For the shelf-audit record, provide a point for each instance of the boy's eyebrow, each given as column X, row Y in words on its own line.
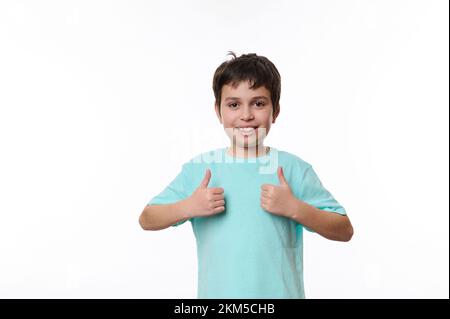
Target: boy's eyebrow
column 253, row 98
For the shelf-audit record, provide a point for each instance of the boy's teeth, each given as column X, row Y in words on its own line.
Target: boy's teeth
column 246, row 129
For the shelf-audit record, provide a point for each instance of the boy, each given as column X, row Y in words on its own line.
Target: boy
column 248, row 203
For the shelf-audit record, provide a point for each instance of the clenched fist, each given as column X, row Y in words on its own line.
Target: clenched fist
column 278, row 200
column 206, row 201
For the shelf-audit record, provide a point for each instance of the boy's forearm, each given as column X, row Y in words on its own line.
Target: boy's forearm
column 330, row 225
column 157, row 217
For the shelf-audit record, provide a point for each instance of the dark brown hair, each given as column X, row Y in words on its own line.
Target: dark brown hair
column 258, row 70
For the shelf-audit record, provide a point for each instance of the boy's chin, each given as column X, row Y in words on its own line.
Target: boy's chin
column 248, row 145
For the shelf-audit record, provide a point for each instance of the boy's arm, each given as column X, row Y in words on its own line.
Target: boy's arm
column 280, row 200
column 157, row 217
column 330, row 225
column 205, row 201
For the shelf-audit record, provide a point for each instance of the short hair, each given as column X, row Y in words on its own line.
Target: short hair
column 258, row 70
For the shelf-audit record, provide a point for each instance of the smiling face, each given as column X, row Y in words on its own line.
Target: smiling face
column 246, row 116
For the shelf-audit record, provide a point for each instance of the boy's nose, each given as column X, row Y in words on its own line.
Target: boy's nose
column 246, row 114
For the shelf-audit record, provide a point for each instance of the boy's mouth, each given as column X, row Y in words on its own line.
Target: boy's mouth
column 247, row 130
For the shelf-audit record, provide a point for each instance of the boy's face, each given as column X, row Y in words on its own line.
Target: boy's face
column 246, row 115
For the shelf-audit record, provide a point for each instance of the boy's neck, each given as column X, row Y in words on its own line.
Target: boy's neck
column 248, row 152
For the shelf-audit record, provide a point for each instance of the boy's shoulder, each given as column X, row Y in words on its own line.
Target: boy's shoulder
column 293, row 158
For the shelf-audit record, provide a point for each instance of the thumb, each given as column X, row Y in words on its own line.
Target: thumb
column 205, row 181
column 281, row 177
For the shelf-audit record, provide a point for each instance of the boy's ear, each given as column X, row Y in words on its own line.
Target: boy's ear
column 216, row 107
column 275, row 115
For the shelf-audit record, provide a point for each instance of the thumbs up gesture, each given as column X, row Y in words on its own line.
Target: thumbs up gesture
column 207, row 201
column 278, row 200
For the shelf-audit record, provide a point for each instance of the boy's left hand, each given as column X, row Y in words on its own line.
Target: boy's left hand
column 278, row 200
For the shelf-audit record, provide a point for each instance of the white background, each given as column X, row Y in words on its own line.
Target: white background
column 101, row 102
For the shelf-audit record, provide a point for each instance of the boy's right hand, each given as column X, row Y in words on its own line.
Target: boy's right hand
column 207, row 201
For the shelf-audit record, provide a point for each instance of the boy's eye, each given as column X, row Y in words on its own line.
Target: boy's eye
column 258, row 103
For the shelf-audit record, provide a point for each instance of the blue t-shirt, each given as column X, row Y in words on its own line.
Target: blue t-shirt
column 245, row 251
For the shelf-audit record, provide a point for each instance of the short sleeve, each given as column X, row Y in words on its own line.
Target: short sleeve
column 173, row 193
column 314, row 193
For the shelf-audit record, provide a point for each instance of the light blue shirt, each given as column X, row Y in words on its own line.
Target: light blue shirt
column 245, row 251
